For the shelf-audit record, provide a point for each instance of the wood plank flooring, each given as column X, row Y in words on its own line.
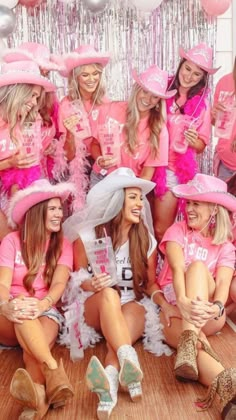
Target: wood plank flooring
column 164, row 397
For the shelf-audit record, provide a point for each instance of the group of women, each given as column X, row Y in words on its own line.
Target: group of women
column 116, row 154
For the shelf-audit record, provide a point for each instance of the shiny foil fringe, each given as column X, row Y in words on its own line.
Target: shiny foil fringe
column 135, row 39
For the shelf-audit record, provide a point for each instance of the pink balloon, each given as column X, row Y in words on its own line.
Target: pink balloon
column 215, row 7
column 30, row 3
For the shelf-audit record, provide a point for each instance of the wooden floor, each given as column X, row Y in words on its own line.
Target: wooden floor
column 164, row 397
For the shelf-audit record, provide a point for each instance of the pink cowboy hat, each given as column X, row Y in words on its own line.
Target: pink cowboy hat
column 207, row 188
column 201, row 55
column 33, row 51
column 83, row 55
column 24, row 72
column 37, row 192
column 155, row 81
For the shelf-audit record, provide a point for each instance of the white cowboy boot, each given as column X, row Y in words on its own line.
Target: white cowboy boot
column 105, row 383
column 131, row 374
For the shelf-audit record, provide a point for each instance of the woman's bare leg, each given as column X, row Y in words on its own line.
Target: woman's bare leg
column 164, row 212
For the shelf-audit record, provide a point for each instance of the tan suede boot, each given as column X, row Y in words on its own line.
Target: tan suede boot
column 29, row 394
column 58, row 387
column 186, row 360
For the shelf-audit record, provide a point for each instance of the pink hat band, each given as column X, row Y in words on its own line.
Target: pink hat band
column 201, row 55
column 26, row 72
column 154, row 80
column 208, row 189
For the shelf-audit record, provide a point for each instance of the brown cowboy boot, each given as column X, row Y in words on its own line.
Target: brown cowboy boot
column 29, row 394
column 58, row 387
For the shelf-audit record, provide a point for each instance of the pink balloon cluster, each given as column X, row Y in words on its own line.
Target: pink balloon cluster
column 215, row 7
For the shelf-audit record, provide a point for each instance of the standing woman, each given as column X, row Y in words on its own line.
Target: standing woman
column 48, row 104
column 224, row 164
column 21, row 87
column 35, row 264
column 143, row 136
column 79, row 110
column 196, row 277
column 125, row 313
column 189, row 129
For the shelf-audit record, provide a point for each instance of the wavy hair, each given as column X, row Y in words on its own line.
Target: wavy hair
column 12, row 101
column 73, row 85
column 222, row 231
column 139, row 242
column 45, row 107
column 33, row 240
column 198, row 89
column 155, row 122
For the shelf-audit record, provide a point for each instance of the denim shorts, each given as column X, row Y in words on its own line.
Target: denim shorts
column 55, row 315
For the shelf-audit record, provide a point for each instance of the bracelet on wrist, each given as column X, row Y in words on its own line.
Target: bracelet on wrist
column 154, row 293
column 49, row 299
column 221, row 308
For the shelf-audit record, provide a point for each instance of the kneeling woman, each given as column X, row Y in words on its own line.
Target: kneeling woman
column 34, row 268
column 196, row 276
column 118, row 314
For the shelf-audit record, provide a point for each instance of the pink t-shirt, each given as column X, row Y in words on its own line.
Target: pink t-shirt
column 116, row 113
column 89, row 116
column 203, row 127
column 226, row 84
column 10, row 256
column 195, row 248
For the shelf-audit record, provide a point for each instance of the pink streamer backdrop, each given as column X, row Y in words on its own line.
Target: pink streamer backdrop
column 135, row 39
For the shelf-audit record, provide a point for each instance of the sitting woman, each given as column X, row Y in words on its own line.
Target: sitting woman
column 34, row 269
column 124, row 313
column 196, row 276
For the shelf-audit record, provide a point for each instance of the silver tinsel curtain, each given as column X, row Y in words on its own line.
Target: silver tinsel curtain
column 134, row 38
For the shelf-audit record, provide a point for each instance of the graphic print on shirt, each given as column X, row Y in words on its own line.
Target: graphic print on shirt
column 194, row 252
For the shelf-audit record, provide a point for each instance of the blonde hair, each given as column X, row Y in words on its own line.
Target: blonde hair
column 223, row 228
column 73, row 85
column 12, row 100
column 33, row 239
column 155, row 122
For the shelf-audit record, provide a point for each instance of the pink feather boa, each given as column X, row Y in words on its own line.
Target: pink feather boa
column 185, row 164
column 21, row 177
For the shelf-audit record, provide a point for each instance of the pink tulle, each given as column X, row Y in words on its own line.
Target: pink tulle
column 20, row 177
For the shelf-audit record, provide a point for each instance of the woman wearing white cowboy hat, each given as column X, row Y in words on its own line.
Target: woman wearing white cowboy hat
column 79, row 110
column 35, row 262
column 140, row 137
column 189, row 129
column 196, row 276
column 119, row 315
column 48, row 105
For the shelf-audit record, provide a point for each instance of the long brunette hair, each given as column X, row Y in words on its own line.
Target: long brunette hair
column 33, row 241
column 138, row 248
